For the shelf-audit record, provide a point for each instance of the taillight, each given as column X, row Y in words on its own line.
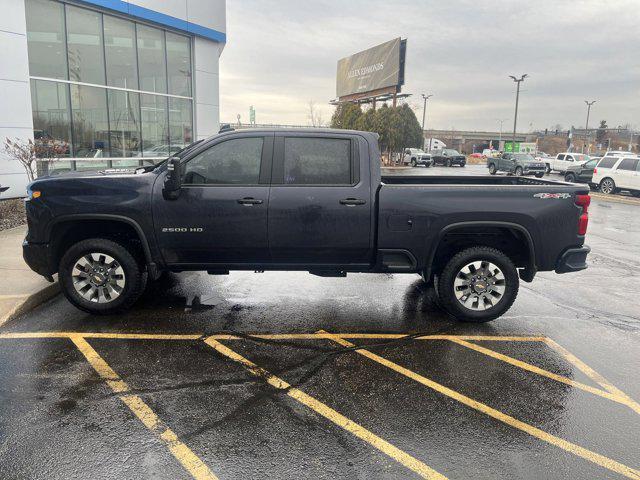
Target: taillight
column 583, row 201
column 595, row 170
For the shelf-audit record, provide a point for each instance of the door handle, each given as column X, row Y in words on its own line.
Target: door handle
column 351, row 202
column 248, row 201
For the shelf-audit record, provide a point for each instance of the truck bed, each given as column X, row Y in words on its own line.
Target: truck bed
column 466, row 180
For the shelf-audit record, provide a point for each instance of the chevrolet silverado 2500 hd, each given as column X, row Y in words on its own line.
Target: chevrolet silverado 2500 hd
column 310, row 200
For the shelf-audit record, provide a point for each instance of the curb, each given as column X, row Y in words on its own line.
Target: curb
column 615, row 198
column 30, row 301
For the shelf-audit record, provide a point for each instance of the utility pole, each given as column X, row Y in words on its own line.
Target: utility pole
column 586, row 125
column 515, row 117
column 424, row 111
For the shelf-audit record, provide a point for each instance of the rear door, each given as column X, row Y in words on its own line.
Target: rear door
column 320, row 205
column 625, row 176
column 220, row 216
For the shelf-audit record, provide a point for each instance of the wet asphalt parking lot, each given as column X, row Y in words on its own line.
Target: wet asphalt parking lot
column 287, row 375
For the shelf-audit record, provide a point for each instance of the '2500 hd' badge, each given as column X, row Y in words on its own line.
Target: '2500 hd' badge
column 552, row 195
column 182, row 229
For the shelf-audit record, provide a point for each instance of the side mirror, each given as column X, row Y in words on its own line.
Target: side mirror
column 173, row 180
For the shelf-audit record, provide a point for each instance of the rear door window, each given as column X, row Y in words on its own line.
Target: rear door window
column 560, row 157
column 628, row 164
column 607, row 162
column 317, row 161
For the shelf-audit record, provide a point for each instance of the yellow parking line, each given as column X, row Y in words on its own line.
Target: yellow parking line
column 595, row 376
column 140, row 409
column 542, row 372
column 330, row 414
column 502, row 417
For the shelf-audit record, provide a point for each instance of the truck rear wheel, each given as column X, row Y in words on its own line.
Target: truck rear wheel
column 478, row 284
column 492, row 169
column 100, row 276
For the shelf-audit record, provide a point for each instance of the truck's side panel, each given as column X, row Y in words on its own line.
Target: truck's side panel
column 550, row 222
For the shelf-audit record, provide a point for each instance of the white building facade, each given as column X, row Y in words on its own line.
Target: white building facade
column 106, row 83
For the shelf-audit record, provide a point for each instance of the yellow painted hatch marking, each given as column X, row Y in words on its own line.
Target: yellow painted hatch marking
column 140, row 409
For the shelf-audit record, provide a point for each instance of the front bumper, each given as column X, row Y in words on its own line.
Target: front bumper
column 37, row 256
column 573, row 260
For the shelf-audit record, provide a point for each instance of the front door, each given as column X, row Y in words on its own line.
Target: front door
column 320, row 207
column 220, row 216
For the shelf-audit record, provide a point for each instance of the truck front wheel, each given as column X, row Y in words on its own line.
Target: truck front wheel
column 100, row 276
column 478, row 284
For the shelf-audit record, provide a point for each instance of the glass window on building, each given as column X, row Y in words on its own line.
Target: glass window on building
column 155, row 131
column 45, row 39
column 120, row 52
column 51, row 126
column 124, row 123
column 84, row 43
column 180, row 123
column 151, row 58
column 179, row 64
column 90, row 122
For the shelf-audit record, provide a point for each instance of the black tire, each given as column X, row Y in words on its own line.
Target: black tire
column 607, row 186
column 635, row 193
column 539, row 175
column 134, row 279
column 413, row 162
column 492, row 169
column 447, row 163
column 518, row 171
column 446, row 279
column 570, row 177
column 462, row 164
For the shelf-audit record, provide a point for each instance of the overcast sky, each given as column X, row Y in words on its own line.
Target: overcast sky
column 282, row 54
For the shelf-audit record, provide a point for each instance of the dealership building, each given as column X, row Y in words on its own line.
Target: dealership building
column 107, row 83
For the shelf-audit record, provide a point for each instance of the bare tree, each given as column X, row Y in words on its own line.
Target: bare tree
column 315, row 115
column 29, row 153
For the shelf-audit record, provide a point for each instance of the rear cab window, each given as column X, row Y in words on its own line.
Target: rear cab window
column 318, row 161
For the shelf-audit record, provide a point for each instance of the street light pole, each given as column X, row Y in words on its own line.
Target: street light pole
column 586, row 125
column 515, row 117
column 424, row 111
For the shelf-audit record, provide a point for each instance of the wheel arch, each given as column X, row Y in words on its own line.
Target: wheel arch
column 472, row 230
column 75, row 227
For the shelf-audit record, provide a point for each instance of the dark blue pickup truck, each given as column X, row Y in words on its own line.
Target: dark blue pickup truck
column 311, row 200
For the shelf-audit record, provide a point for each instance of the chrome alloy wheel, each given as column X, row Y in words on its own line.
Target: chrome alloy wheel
column 98, row 277
column 479, row 285
column 607, row 186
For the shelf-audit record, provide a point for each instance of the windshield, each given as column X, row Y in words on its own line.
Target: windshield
column 524, row 157
column 450, row 151
column 180, row 153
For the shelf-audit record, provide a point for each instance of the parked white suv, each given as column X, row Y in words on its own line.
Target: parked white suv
column 416, row 156
column 618, row 173
column 565, row 160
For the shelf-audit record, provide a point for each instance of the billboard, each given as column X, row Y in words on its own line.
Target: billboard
column 372, row 69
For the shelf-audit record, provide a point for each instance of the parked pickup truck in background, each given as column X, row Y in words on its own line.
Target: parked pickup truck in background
column 563, row 161
column 310, row 200
column 415, row 157
column 448, row 157
column 516, row 163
